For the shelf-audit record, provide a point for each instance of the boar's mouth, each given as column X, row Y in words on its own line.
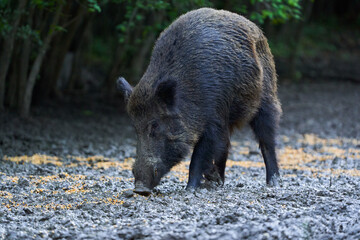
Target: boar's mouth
column 141, row 189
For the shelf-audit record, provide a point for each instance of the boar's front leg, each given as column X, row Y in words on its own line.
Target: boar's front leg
column 221, row 156
column 216, row 172
column 209, row 147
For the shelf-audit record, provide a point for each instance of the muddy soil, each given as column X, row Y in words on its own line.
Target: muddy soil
column 66, row 174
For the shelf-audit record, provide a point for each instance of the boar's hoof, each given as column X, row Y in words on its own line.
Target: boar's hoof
column 274, row 181
column 215, row 177
column 190, row 189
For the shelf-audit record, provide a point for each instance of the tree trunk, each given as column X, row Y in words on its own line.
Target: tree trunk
column 63, row 48
column 56, row 55
column 5, row 57
column 76, row 64
column 120, row 52
column 25, row 106
column 24, row 63
column 13, row 79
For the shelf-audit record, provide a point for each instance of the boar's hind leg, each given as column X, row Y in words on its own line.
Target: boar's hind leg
column 202, row 157
column 264, row 125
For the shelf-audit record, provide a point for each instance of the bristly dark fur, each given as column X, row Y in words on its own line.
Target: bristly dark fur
column 211, row 71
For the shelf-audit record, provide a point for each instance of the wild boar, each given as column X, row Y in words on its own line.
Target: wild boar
column 211, row 71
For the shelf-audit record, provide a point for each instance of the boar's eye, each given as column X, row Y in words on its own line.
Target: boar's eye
column 153, row 129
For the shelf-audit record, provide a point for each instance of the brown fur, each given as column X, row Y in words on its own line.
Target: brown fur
column 224, row 77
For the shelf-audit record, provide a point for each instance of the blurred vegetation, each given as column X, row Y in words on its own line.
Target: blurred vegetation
column 52, row 48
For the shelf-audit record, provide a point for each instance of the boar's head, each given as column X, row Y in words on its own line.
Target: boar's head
column 162, row 139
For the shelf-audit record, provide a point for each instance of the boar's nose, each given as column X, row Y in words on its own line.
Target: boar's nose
column 141, row 189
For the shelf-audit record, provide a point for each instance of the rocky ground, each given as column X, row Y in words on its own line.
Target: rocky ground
column 66, row 174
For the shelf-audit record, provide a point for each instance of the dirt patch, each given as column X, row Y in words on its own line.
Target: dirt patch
column 66, row 174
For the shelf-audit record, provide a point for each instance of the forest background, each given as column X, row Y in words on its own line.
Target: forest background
column 57, row 49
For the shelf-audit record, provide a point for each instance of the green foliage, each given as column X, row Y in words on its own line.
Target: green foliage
column 140, row 13
column 93, row 6
column 26, row 32
column 277, row 11
column 4, row 3
column 5, row 26
column 59, row 29
column 8, row 12
column 135, row 14
column 43, row 4
column 279, row 47
column 99, row 52
column 318, row 39
column 141, row 21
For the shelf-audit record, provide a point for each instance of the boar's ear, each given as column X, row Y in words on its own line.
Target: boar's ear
column 166, row 92
column 124, row 87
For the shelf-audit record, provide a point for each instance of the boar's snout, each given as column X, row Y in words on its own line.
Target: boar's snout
column 141, row 189
column 147, row 172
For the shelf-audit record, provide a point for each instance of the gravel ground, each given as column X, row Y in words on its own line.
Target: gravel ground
column 66, row 174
